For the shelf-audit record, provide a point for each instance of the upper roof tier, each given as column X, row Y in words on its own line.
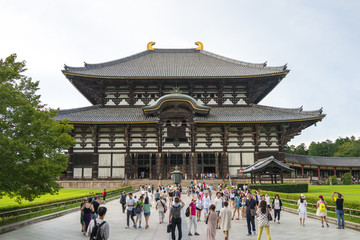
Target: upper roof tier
column 175, row 63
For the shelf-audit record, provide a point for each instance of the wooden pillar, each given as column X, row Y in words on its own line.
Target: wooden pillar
column 275, row 179
column 351, row 172
column 319, row 177
column 335, row 171
column 95, row 162
column 272, row 180
column 159, row 166
column 302, row 170
column 259, row 178
column 225, row 164
column 192, row 164
column 282, row 177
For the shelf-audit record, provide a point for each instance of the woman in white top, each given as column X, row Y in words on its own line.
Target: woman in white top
column 302, row 209
column 199, row 207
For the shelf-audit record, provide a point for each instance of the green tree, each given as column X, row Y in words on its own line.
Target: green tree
column 349, row 149
column 346, row 178
column 326, row 148
column 31, row 141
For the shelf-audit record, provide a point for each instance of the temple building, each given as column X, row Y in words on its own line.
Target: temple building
column 188, row 107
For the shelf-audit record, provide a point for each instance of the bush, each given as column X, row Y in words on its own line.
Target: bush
column 285, row 187
column 346, row 179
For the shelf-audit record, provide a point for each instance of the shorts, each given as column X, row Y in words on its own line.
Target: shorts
column 218, row 213
column 139, row 216
column 243, row 206
column 237, row 206
column 232, row 199
column 146, row 214
column 199, row 209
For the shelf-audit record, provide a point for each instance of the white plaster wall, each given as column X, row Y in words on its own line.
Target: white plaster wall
column 118, row 172
column 118, row 159
column 103, row 172
column 234, row 159
column 247, row 158
column 104, row 160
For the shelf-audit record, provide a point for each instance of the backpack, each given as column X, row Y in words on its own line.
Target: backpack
column 176, row 212
column 157, row 195
column 187, row 212
column 138, row 209
column 96, row 231
column 322, row 207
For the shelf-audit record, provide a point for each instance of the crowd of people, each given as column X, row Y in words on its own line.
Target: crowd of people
column 229, row 203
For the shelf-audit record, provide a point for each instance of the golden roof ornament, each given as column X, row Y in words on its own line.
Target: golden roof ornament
column 200, row 45
column 149, row 46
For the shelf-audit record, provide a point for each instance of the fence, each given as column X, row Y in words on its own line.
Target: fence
column 26, row 213
column 352, row 213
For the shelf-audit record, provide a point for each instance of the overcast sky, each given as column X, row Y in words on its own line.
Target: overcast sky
column 320, row 41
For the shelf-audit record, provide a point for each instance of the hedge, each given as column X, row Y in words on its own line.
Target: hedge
column 20, row 206
column 314, row 200
column 284, row 188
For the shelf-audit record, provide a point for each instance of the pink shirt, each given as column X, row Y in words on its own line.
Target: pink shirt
column 193, row 209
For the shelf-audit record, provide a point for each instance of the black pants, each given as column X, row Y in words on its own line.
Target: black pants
column 250, row 221
column 277, row 213
column 176, row 222
column 123, row 207
column 129, row 215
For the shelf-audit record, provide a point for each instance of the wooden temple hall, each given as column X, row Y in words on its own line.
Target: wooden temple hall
column 188, row 107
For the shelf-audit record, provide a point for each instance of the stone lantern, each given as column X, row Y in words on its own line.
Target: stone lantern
column 176, row 176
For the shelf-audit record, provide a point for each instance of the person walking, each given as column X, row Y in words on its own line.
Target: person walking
column 218, row 205
column 123, row 201
column 339, row 200
column 103, row 225
column 147, row 210
column 139, row 209
column 82, row 221
column 88, row 209
column 104, row 195
column 302, row 209
column 243, row 206
column 211, row 217
column 199, row 207
column 206, row 204
column 192, row 217
column 175, row 218
column 225, row 220
column 263, row 217
column 277, row 206
column 130, row 211
column 161, row 207
column 321, row 210
column 236, row 207
column 250, row 210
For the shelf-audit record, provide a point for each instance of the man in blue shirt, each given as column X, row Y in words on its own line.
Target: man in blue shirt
column 250, row 213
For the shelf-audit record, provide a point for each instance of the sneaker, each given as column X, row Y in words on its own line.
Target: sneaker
column 127, row 227
column 140, row 227
column 237, row 219
column 134, row 226
column 249, row 234
column 254, row 232
column 196, row 234
column 189, row 234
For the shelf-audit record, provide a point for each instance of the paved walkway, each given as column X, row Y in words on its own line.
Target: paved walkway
column 68, row 227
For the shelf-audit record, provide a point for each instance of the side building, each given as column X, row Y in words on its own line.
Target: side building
column 188, row 107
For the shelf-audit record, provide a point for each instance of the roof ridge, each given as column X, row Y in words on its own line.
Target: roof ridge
column 71, row 110
column 295, row 110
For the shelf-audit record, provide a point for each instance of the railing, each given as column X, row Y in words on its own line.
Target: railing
column 352, row 213
column 26, row 213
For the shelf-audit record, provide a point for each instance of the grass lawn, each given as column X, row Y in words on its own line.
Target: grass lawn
column 350, row 192
column 63, row 194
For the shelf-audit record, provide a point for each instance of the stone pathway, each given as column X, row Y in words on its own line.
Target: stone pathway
column 68, row 227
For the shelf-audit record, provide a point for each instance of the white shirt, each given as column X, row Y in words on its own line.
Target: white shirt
column 199, row 203
column 218, row 204
column 302, row 206
column 206, row 201
column 131, row 201
column 267, row 199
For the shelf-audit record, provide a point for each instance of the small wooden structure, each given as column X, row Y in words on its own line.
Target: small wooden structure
column 268, row 166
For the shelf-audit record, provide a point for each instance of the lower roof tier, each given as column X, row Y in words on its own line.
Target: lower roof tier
column 243, row 114
column 320, row 161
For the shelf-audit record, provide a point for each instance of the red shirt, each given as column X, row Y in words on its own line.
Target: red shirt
column 193, row 209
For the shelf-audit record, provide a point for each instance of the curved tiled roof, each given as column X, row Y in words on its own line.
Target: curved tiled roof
column 262, row 164
column 186, row 63
column 323, row 161
column 254, row 113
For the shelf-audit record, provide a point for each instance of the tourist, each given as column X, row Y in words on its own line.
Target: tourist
column 96, row 204
column 103, row 225
column 262, row 198
column 339, row 209
column 104, row 196
column 250, row 209
column 277, row 206
column 157, row 196
column 199, row 207
column 192, row 217
column 211, row 217
column 206, row 203
column 321, row 210
column 302, row 209
column 171, row 196
column 236, row 207
column 88, row 209
column 161, row 207
column 139, row 209
column 188, row 191
column 243, row 205
column 267, row 199
column 82, row 221
column 130, row 210
column 123, row 201
column 175, row 218
column 225, row 220
column 218, row 205
column 147, row 210
column 263, row 217
column 232, row 198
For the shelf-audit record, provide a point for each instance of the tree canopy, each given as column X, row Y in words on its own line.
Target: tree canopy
column 32, row 143
column 342, row 147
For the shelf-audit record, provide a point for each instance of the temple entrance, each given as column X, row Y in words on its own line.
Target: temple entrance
column 143, row 172
column 209, row 169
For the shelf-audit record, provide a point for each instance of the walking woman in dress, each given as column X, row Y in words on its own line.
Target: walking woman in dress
column 147, row 210
column 277, row 206
column 211, row 217
column 321, row 210
column 302, row 209
column 262, row 214
column 88, row 209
